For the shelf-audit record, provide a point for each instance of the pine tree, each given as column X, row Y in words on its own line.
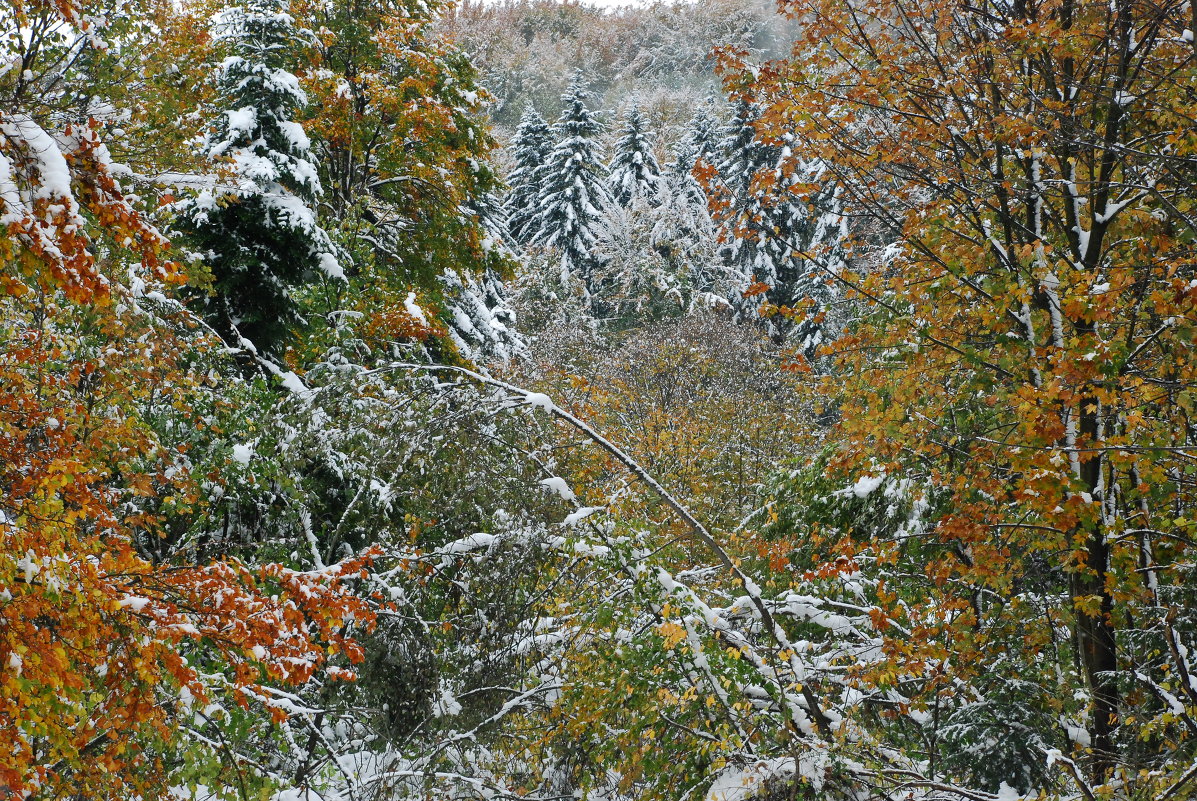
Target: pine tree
column 532, row 145
column 685, row 232
column 573, row 194
column 481, row 323
column 256, row 230
column 634, row 169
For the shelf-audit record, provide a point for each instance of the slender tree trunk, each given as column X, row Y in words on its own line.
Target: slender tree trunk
column 1096, row 642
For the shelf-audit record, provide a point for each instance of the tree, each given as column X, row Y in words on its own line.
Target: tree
column 573, row 193
column 256, row 229
column 700, row 144
column 1025, row 356
column 531, row 147
column 770, row 237
column 402, row 150
column 634, row 172
column 659, row 259
column 105, row 647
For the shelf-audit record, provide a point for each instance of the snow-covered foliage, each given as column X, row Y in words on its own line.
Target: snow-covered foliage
column 256, row 227
column 573, row 191
column 483, row 323
column 527, row 50
column 598, row 490
column 784, row 244
column 634, row 174
column 659, row 259
column 700, row 144
column 531, row 147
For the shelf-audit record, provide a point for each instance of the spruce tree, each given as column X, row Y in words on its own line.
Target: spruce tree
column 634, row 169
column 701, row 143
column 573, row 194
column 768, row 241
column 256, row 229
column 532, row 145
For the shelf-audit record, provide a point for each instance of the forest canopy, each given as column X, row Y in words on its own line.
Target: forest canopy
column 517, row 400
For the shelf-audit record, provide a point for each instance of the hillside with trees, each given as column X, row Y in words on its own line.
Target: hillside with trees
column 693, row 402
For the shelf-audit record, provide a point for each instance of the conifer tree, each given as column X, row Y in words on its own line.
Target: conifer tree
column 573, row 194
column 770, row 236
column 256, row 229
column 634, row 169
column 701, row 143
column 532, row 145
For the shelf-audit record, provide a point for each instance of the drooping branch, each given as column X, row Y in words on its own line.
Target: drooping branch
column 700, row 532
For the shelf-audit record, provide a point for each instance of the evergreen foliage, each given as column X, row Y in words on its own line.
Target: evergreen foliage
column 256, row 229
column 770, row 237
column 573, row 193
column 700, row 144
column 663, row 557
column 634, row 172
column 531, row 147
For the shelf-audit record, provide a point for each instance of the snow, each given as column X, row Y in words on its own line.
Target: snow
column 558, row 487
column 54, row 175
column 241, row 121
column 242, row 453
column 413, row 309
column 304, row 794
column 29, row 565
column 471, row 543
column 739, row 783
column 606, row 5
column 331, row 267
column 1078, row 735
column 446, row 705
column 539, row 400
column 296, row 137
column 134, row 603
column 574, row 518
column 864, row 486
column 1007, row 793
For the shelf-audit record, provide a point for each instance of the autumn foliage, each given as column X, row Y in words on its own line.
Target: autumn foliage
column 103, row 645
column 1021, row 180
column 931, row 540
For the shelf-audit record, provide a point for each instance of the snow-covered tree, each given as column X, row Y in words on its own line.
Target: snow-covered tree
column 573, row 194
column 660, row 260
column 634, row 169
column 477, row 304
column 531, row 147
column 701, row 143
column 255, row 228
column 770, row 237
column 640, row 277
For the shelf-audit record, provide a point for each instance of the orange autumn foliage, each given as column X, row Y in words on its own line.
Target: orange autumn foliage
column 100, row 644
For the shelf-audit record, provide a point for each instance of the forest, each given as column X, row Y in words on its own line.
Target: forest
column 515, row 400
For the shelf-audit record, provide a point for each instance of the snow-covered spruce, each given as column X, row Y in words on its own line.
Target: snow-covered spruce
column 634, row 169
column 573, row 194
column 532, row 145
column 700, row 144
column 789, row 245
column 256, row 229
